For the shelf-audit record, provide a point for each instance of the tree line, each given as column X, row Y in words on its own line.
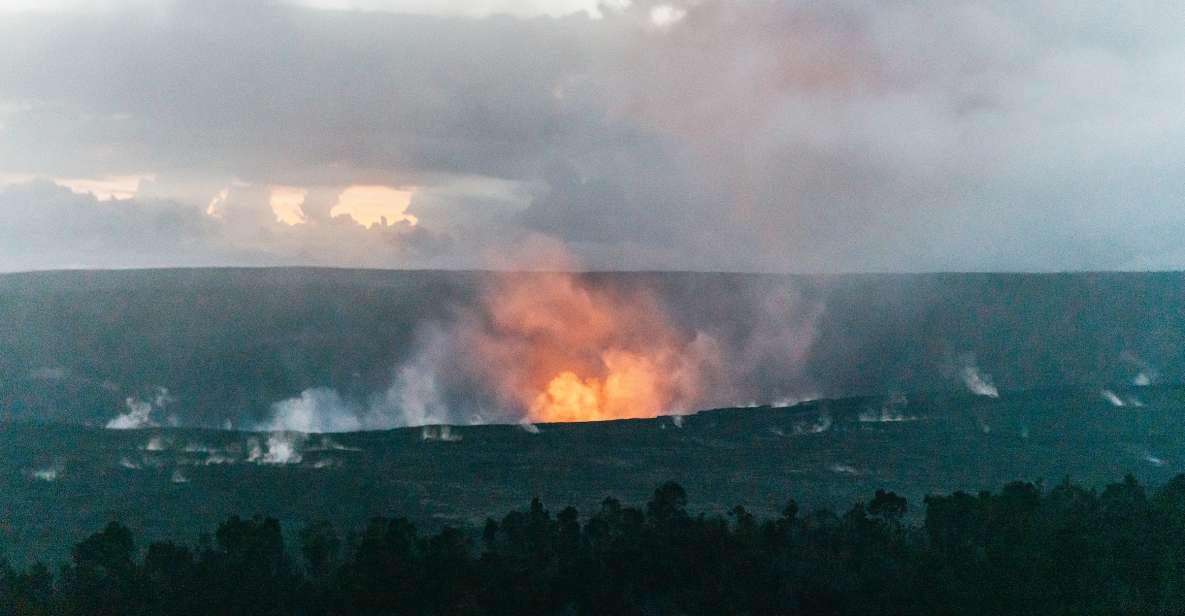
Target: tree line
column 1021, row 550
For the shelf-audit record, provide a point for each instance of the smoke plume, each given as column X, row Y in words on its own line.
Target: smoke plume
column 559, row 347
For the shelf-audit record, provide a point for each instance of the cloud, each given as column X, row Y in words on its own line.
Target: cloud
column 787, row 136
column 587, row 210
column 44, row 226
column 470, row 8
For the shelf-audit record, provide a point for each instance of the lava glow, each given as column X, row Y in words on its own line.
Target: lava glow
column 633, row 387
column 563, row 350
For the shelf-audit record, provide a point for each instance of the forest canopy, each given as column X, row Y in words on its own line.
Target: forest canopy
column 1023, row 549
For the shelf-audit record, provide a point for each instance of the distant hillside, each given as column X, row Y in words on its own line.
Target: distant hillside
column 229, row 343
column 59, row 483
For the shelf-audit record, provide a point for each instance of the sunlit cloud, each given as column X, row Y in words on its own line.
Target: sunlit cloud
column 217, row 206
column 106, row 188
column 286, row 201
column 374, row 205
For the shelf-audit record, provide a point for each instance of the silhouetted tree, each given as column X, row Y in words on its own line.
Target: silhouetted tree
column 321, row 546
column 103, row 578
column 171, row 575
column 1022, row 550
column 249, row 571
column 25, row 593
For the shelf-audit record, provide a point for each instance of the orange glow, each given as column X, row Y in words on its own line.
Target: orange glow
column 569, row 399
column 632, row 387
column 565, row 351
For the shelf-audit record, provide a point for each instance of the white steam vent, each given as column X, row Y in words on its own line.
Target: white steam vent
column 45, row 474
column 283, row 448
column 844, row 469
column 443, row 433
column 978, row 383
column 156, row 443
column 1110, row 396
column 893, row 410
column 821, row 423
column 140, row 412
column 1153, row 460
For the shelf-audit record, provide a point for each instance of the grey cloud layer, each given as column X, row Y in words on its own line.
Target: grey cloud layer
column 46, row 226
column 788, row 136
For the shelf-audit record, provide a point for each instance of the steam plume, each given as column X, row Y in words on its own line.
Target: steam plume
column 979, row 384
column 140, row 412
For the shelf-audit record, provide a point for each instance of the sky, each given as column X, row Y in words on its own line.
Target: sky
column 839, row 136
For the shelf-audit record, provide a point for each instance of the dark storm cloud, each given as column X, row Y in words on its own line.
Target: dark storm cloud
column 790, row 136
